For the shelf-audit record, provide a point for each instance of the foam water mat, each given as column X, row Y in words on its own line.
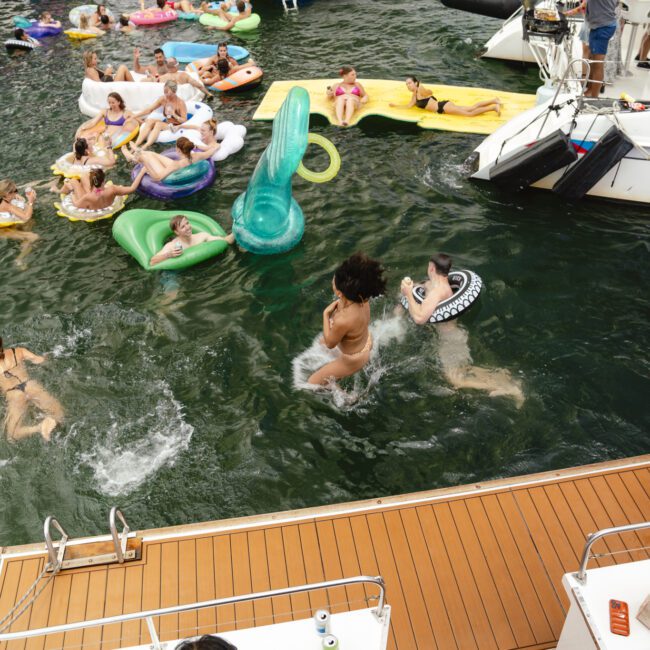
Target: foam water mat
column 383, row 92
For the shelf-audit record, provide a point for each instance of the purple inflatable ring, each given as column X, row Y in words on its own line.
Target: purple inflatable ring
column 163, row 192
column 39, row 31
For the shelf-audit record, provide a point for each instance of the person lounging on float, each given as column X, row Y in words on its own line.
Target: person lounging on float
column 83, row 155
column 159, row 67
column 346, row 320
column 47, row 20
column 348, row 95
column 159, row 166
column 96, row 17
column 85, row 26
column 124, row 25
column 94, row 73
column 174, row 114
column 21, row 35
column 21, row 209
column 453, row 349
column 91, row 193
column 19, row 391
column 208, row 131
column 184, row 239
column 116, row 119
column 211, row 71
column 230, row 19
column 423, row 98
column 180, row 77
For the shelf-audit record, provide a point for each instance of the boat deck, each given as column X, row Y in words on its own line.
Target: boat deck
column 476, row 566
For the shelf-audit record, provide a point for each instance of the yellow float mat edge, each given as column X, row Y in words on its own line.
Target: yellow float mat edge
column 384, row 91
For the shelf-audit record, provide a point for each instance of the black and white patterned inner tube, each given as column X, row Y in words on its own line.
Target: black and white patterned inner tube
column 466, row 286
column 16, row 44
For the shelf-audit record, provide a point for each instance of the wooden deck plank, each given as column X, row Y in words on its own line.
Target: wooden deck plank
column 357, row 594
column 479, row 563
column 241, row 575
column 113, row 607
column 205, row 588
column 92, row 637
column 169, row 589
column 338, row 597
column 401, row 552
column 29, row 571
column 483, row 632
column 10, row 593
column 150, row 586
column 517, row 567
column 311, row 553
column 278, row 578
column 537, row 571
column 224, row 582
column 77, row 608
column 132, row 603
column 643, row 475
column 58, row 609
column 640, row 498
column 263, row 609
column 404, row 634
column 296, row 574
column 187, row 592
column 369, row 565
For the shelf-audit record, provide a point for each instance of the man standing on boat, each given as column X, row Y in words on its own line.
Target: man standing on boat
column 601, row 18
column 453, row 346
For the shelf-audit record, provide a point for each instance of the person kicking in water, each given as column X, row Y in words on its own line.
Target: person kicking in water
column 346, row 320
column 453, row 350
column 19, row 390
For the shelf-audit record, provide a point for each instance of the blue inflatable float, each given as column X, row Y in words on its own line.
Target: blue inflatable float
column 185, row 52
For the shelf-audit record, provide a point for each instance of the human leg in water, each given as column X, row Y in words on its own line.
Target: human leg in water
column 17, row 403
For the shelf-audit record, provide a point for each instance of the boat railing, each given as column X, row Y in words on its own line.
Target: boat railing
column 149, row 615
column 56, row 557
column 581, row 575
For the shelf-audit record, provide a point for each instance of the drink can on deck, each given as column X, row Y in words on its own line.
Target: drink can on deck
column 331, row 642
column 322, row 620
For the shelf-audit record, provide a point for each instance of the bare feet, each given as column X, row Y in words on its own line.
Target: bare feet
column 47, row 426
column 498, row 109
column 128, row 154
column 55, row 186
column 230, row 238
column 344, row 123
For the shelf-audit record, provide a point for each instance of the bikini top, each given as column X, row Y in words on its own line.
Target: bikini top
column 355, row 91
column 119, row 122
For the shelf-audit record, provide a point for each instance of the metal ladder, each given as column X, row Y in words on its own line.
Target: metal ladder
column 118, row 553
column 286, row 4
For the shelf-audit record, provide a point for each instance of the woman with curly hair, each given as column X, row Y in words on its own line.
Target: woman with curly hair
column 346, row 320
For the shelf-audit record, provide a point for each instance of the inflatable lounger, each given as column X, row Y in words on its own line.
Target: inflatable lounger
column 382, row 92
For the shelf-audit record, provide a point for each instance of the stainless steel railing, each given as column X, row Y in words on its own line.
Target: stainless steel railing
column 55, row 558
column 120, row 540
column 581, row 576
column 152, row 613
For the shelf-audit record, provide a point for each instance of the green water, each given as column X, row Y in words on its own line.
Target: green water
column 190, row 412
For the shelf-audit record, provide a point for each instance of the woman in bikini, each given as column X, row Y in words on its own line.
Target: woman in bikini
column 19, row 390
column 348, row 95
column 114, row 121
column 423, row 98
column 102, row 154
column 90, row 192
column 107, row 75
column 346, row 320
column 174, row 114
column 21, row 210
column 159, row 167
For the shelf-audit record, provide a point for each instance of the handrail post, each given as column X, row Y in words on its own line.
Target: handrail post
column 382, row 596
column 155, row 641
column 119, row 541
column 55, row 558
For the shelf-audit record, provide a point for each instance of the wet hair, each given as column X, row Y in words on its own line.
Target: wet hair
column 442, row 263
column 80, row 148
column 222, row 44
column 161, row 3
column 172, row 85
column 212, row 125
column 19, row 32
column 241, row 6
column 96, row 177
column 118, row 98
column 206, row 642
column 124, row 20
column 158, row 50
column 414, row 79
column 99, row 8
column 360, row 278
column 174, row 222
column 84, row 22
column 7, row 187
column 223, row 67
column 88, row 57
column 345, row 69
column 104, row 19
column 185, row 146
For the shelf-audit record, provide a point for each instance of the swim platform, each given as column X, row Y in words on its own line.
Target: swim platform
column 383, row 91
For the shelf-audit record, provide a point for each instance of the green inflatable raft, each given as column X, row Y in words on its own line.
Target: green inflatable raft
column 245, row 25
column 142, row 233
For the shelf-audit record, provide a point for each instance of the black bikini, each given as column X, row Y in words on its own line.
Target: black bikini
column 422, row 103
column 10, row 375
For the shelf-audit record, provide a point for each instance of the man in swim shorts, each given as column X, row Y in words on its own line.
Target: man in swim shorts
column 453, row 346
column 20, row 391
column 601, row 17
column 230, row 19
column 184, row 239
column 159, row 68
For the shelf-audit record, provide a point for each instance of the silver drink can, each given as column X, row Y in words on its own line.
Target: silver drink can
column 331, row 642
column 322, row 620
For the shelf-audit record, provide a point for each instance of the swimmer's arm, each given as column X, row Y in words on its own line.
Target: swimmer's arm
column 150, row 109
column 166, row 252
column 411, row 104
column 26, row 355
column 333, row 331
column 207, row 152
column 90, row 123
column 122, row 190
column 420, row 313
column 364, row 95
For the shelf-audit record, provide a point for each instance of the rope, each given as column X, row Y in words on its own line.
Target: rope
column 11, row 617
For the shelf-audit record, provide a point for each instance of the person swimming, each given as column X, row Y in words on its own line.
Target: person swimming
column 20, row 391
column 346, row 319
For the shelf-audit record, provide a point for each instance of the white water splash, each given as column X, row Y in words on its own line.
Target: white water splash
column 69, row 346
column 162, row 434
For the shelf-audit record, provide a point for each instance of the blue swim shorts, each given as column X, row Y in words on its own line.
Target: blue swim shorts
column 599, row 38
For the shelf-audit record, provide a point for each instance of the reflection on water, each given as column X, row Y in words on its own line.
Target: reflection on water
column 193, row 408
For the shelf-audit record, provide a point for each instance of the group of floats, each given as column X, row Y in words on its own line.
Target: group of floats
column 166, row 11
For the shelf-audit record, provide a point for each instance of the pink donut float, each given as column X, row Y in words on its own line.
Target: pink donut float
column 153, row 17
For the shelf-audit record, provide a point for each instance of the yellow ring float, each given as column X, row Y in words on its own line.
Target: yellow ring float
column 335, row 161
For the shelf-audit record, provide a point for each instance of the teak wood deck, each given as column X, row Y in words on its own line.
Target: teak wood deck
column 476, row 566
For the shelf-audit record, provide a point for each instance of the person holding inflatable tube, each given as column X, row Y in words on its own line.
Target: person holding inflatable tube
column 21, row 210
column 174, row 114
column 46, row 20
column 106, row 75
column 423, row 98
column 230, row 19
column 346, row 320
column 453, row 346
column 91, row 193
column 184, row 239
column 96, row 17
column 180, row 77
column 116, row 120
column 348, row 95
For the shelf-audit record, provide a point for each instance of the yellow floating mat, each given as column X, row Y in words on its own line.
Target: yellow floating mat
column 383, row 91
